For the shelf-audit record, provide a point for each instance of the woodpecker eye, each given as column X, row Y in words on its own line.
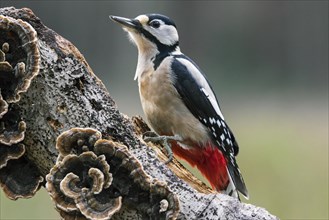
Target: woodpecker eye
column 155, row 24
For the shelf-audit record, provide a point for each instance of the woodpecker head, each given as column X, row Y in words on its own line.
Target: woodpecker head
column 151, row 32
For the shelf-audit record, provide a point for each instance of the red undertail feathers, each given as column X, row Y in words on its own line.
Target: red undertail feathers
column 209, row 160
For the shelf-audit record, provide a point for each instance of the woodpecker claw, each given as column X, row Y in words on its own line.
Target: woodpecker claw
column 169, row 151
column 163, row 140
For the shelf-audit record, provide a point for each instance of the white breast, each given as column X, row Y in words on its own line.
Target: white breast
column 164, row 110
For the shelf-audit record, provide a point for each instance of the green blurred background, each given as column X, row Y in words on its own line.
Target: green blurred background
column 268, row 64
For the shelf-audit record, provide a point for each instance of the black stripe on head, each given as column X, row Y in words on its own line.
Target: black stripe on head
column 161, row 47
column 163, row 54
column 164, row 50
column 163, row 18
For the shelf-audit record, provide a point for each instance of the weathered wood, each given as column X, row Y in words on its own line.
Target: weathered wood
column 66, row 94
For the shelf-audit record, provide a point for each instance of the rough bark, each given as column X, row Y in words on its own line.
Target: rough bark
column 66, row 94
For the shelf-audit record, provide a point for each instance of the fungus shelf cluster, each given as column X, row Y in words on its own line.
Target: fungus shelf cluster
column 19, row 64
column 94, row 178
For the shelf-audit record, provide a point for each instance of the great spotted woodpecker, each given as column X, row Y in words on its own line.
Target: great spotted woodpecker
column 180, row 105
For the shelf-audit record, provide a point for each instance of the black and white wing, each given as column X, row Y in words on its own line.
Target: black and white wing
column 200, row 99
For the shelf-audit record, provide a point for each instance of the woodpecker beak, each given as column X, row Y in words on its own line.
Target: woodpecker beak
column 126, row 22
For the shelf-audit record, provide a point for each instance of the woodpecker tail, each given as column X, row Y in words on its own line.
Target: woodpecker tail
column 236, row 180
column 213, row 165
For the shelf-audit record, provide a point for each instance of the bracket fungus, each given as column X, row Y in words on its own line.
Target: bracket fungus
column 3, row 107
column 94, row 178
column 12, row 132
column 20, row 179
column 18, row 45
column 19, row 64
column 76, row 141
column 10, row 152
column 78, row 181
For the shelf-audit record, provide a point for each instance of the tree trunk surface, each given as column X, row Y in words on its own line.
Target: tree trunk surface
column 64, row 94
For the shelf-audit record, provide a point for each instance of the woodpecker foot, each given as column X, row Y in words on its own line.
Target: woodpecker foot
column 163, row 140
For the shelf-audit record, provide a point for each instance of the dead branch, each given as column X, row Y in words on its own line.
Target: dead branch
column 47, row 88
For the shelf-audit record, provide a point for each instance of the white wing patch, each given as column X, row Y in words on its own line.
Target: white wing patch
column 213, row 102
column 205, row 88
